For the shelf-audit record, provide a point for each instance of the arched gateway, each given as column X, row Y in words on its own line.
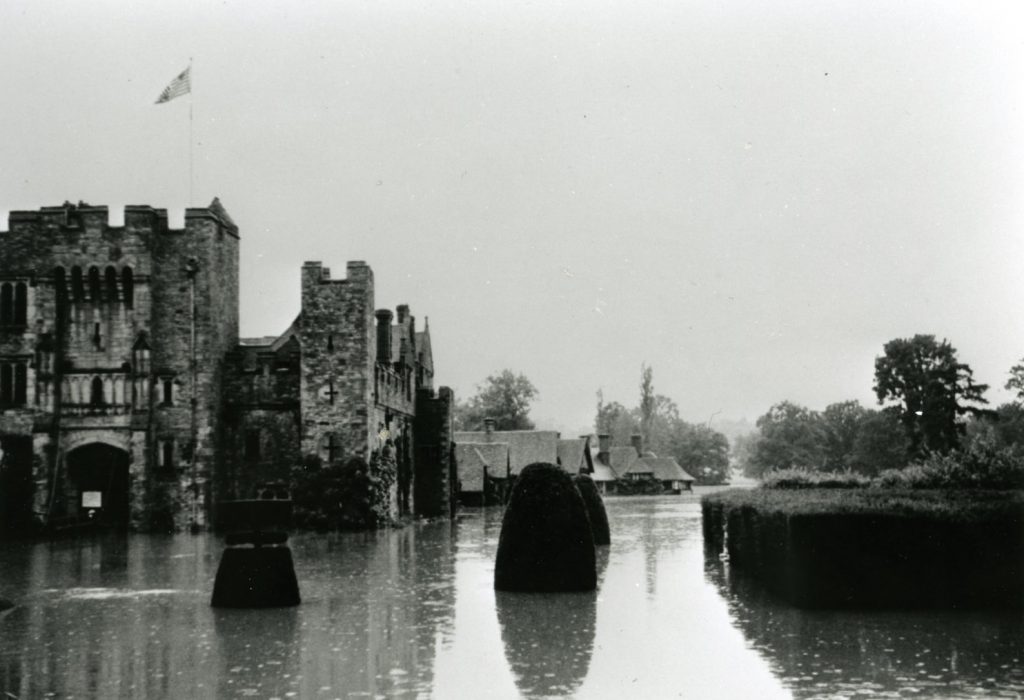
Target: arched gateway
column 98, row 473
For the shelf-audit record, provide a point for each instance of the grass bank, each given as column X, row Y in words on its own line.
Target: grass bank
column 874, row 547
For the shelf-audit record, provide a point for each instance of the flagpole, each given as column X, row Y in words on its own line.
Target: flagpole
column 191, row 141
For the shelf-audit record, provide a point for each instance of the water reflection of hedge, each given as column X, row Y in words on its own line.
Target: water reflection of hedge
column 595, row 509
column 939, row 653
column 871, row 548
column 546, row 543
column 548, row 639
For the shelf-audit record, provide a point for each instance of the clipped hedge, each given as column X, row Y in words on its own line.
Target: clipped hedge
column 546, row 542
column 874, row 547
column 595, row 509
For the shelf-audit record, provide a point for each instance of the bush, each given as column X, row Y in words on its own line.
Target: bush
column 980, row 466
column 352, row 496
column 806, row 479
column 639, row 487
column 595, row 509
column 546, row 542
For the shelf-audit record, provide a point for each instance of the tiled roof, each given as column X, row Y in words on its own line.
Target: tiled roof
column 663, row 468
column 572, row 455
column 524, row 446
column 622, row 459
column 472, row 458
column 602, row 472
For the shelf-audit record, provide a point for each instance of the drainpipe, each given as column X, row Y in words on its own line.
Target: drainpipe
column 191, row 267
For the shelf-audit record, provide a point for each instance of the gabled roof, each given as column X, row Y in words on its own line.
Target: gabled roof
column 622, row 458
column 572, row 455
column 662, row 468
column 602, row 472
column 524, row 446
column 472, row 458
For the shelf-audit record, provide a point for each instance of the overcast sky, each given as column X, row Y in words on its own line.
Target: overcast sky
column 751, row 197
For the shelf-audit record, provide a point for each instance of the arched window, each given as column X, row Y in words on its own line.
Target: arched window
column 6, row 304
column 77, row 288
column 128, row 286
column 20, row 304
column 111, row 279
column 94, row 284
column 96, row 395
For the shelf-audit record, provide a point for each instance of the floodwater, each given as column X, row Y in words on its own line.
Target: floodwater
column 412, row 613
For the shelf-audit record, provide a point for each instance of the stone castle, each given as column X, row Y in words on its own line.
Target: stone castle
column 126, row 393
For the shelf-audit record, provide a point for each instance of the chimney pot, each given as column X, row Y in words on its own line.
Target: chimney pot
column 488, row 426
column 638, row 443
column 384, row 335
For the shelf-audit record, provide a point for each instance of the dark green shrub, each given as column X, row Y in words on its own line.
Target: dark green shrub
column 351, row 496
column 806, row 479
column 595, row 509
column 981, row 465
column 638, row 487
column 546, row 542
column 874, row 547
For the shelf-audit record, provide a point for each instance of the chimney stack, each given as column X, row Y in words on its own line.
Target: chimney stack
column 604, row 442
column 384, row 317
column 489, row 427
column 637, row 441
column 403, row 313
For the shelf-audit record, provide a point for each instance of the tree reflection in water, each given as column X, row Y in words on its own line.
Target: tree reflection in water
column 548, row 638
column 891, row 652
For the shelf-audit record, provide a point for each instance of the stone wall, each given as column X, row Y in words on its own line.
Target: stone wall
column 433, row 480
column 94, row 291
column 338, row 340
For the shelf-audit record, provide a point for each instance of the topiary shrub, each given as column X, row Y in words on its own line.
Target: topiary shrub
column 595, row 509
column 546, row 543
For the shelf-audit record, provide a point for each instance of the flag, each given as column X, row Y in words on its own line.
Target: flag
column 182, row 85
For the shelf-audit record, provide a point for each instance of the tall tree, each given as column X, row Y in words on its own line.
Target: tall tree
column 648, row 402
column 933, row 390
column 1016, row 380
column 791, row 437
column 880, row 444
column 841, row 423
column 615, row 420
column 505, row 397
column 702, row 452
